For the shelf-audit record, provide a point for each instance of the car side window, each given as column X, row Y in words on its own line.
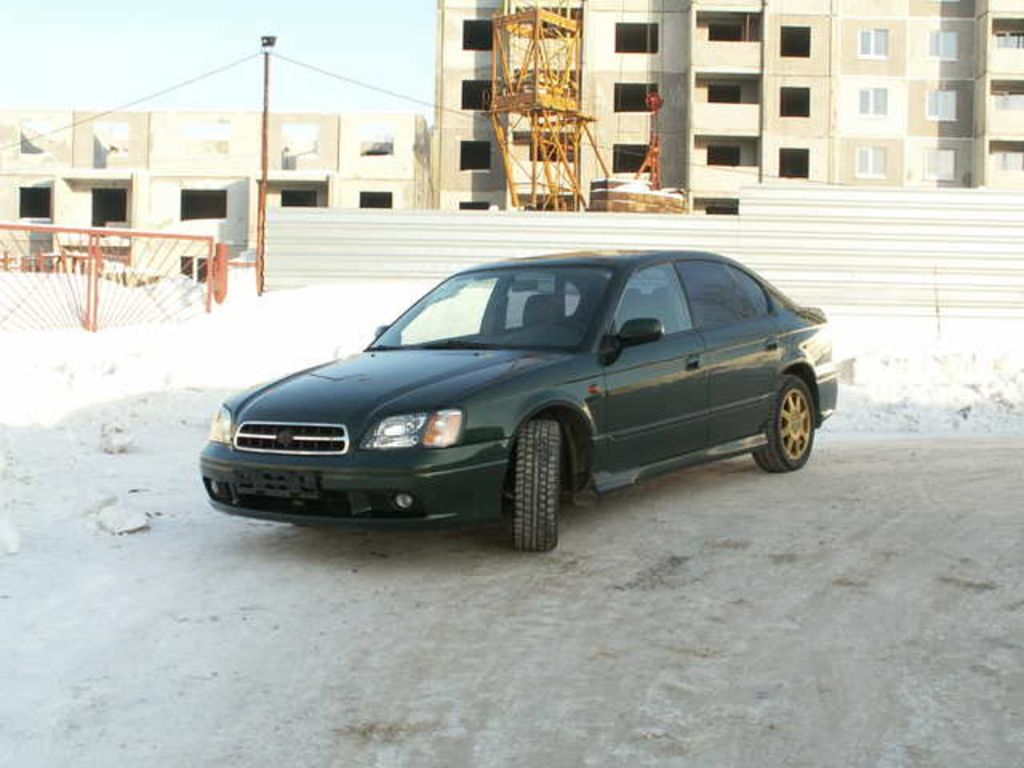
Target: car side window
column 654, row 292
column 716, row 296
column 754, row 292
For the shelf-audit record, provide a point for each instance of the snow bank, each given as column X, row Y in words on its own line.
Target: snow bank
column 897, row 376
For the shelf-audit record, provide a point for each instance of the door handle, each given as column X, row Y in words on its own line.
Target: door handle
column 771, row 345
column 692, row 362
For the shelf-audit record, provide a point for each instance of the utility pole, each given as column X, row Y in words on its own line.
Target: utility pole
column 267, row 42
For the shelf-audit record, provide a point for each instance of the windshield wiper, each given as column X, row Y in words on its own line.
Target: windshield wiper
column 456, row 344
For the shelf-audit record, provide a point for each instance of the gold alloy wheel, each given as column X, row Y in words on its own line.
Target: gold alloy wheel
column 795, row 425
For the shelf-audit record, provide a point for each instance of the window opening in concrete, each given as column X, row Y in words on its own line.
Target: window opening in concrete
column 628, row 158
column 477, row 35
column 32, row 134
column 212, row 137
column 796, row 42
column 376, row 140
column 299, row 198
column 636, row 38
column 723, row 154
column 794, row 163
column 109, row 206
column 299, row 140
column 35, row 203
column 476, row 95
column 376, row 200
column 632, row 97
column 204, row 204
column 795, row 102
column 725, row 93
column 474, row 205
column 109, row 140
column 475, row 156
column 719, row 206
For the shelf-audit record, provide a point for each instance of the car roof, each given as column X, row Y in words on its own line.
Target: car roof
column 615, row 259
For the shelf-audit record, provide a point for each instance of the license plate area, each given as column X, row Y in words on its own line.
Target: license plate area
column 278, row 484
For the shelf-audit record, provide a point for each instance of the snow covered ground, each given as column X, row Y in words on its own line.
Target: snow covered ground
column 866, row 611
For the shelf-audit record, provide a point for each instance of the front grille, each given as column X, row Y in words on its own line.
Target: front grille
column 295, row 439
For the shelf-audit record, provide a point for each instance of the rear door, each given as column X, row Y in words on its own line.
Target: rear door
column 657, row 393
column 742, row 354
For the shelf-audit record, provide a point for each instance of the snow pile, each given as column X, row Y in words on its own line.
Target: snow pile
column 903, row 383
column 115, row 516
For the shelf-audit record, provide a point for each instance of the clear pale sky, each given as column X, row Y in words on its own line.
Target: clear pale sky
column 96, row 54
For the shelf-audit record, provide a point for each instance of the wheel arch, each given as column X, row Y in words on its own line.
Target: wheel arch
column 805, row 372
column 578, row 429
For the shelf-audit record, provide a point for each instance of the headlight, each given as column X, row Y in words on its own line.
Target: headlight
column 221, row 427
column 432, row 430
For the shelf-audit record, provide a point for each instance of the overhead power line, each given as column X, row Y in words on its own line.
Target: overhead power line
column 137, row 102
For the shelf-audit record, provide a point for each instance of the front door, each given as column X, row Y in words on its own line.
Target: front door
column 657, row 393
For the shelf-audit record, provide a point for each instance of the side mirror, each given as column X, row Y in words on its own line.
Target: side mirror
column 381, row 330
column 640, row 330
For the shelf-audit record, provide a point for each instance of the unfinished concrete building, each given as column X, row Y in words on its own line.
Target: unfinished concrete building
column 198, row 172
column 912, row 93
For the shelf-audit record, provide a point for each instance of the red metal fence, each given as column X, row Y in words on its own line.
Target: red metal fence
column 54, row 277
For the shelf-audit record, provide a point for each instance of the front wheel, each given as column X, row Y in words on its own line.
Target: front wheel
column 537, row 486
column 791, row 429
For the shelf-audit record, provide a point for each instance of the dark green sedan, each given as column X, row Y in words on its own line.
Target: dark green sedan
column 510, row 388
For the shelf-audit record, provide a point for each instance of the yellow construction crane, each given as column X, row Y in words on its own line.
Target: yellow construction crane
column 536, row 101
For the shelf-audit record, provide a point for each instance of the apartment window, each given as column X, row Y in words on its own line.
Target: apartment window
column 723, row 154
column 299, row 198
column 632, row 97
column 940, row 164
column 725, row 31
column 35, row 203
column 477, row 35
column 943, row 45
column 204, row 204
column 794, row 163
column 1010, row 40
column 796, row 42
column 636, row 38
column 109, row 206
column 720, row 207
column 474, row 205
column 1008, row 95
column 1008, row 155
column 874, row 101
column 795, row 102
column 941, row 106
column 376, row 140
column 725, row 93
column 874, row 44
column 376, row 200
column 628, row 158
column 475, row 156
column 476, row 95
column 871, row 162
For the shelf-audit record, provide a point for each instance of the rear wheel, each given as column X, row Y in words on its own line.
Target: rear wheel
column 537, row 486
column 791, row 430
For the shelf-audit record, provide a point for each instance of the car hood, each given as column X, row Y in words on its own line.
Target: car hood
column 361, row 389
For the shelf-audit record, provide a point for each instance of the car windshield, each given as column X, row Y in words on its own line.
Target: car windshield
column 529, row 308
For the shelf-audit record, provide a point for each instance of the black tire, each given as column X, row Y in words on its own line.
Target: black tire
column 537, row 486
column 790, row 429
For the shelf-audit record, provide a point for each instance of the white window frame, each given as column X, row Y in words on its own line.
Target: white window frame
column 936, row 100
column 1008, row 101
column 935, row 46
column 1011, row 162
column 870, row 41
column 868, row 170
column 940, row 164
column 877, row 102
column 1012, row 41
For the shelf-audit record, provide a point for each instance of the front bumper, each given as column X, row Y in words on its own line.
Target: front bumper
column 452, row 486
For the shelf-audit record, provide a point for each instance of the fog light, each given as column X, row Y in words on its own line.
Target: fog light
column 403, row 501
